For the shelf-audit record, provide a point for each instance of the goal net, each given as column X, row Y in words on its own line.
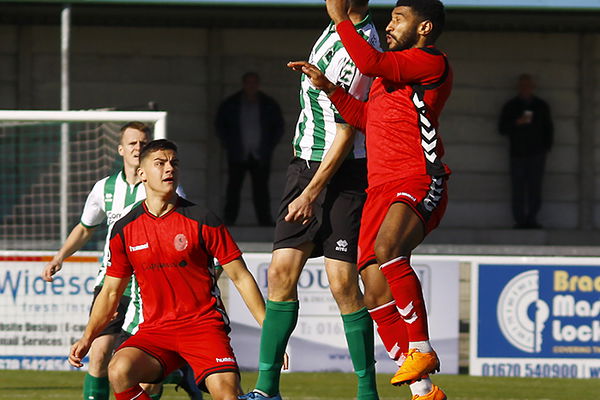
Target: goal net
column 50, row 161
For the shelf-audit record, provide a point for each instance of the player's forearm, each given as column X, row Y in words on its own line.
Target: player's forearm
column 342, row 143
column 78, row 237
column 248, row 289
column 102, row 312
column 368, row 60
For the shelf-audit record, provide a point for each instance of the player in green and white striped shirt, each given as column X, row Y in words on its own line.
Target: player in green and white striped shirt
column 320, row 215
column 107, row 200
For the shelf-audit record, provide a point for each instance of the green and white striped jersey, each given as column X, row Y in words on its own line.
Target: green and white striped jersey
column 109, row 198
column 316, row 127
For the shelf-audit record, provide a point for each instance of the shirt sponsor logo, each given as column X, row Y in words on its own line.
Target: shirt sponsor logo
column 138, row 248
column 225, row 359
column 404, row 194
column 342, row 245
column 180, row 242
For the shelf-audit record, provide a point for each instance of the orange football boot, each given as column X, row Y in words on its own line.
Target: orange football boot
column 435, row 394
column 416, row 366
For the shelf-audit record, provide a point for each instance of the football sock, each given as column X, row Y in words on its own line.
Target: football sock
column 422, row 387
column 423, row 346
column 136, row 392
column 174, row 377
column 358, row 327
column 280, row 321
column 408, row 294
column 95, row 388
column 391, row 329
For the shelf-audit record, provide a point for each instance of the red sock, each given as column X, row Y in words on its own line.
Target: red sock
column 391, row 329
column 133, row 393
column 408, row 294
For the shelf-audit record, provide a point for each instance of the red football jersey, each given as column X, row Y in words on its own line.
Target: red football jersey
column 172, row 259
column 401, row 117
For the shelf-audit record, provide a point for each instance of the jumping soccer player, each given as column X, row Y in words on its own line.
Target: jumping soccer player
column 406, row 197
column 169, row 243
column 107, row 200
column 320, row 215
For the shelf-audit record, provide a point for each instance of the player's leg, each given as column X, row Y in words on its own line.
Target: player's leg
column 281, row 315
column 382, row 306
column 95, row 383
column 358, row 325
column 129, row 367
column 224, row 385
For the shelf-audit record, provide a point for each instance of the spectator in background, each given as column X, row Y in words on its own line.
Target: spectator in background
column 526, row 121
column 249, row 124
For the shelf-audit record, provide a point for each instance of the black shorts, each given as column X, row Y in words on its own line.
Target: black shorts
column 336, row 222
column 115, row 325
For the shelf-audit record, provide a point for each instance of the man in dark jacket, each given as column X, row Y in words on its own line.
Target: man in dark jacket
column 249, row 125
column 526, row 121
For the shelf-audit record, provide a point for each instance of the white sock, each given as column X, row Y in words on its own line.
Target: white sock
column 422, row 387
column 423, row 347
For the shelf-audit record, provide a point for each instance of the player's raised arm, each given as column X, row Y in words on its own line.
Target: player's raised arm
column 102, row 312
column 78, row 237
column 352, row 110
column 246, row 285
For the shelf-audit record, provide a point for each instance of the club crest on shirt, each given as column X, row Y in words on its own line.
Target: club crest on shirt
column 180, row 242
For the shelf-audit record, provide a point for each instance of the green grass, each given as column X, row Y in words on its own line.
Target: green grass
column 39, row 385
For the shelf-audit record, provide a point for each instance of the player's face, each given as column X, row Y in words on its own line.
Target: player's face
column 160, row 171
column 401, row 32
column 131, row 144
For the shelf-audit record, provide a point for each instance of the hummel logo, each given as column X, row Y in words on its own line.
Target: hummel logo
column 342, row 245
column 225, row 359
column 406, row 195
column 140, row 247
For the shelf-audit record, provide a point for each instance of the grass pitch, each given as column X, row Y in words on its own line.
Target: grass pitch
column 41, row 385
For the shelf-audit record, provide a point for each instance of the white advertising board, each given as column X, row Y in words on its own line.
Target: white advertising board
column 318, row 342
column 537, row 317
column 40, row 320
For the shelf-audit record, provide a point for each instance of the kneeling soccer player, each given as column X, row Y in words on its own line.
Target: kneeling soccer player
column 169, row 244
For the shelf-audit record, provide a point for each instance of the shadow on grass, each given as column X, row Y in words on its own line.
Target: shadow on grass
column 36, row 388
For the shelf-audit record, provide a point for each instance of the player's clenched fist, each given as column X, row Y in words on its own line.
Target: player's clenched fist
column 337, row 10
column 78, row 351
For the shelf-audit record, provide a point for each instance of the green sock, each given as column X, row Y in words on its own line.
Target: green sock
column 358, row 327
column 158, row 395
column 279, row 324
column 95, row 388
column 174, row 377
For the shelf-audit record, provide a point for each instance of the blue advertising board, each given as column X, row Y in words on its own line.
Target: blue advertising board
column 537, row 319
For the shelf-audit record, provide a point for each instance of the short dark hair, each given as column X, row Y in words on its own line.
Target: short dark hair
column 140, row 126
column 156, row 145
column 428, row 10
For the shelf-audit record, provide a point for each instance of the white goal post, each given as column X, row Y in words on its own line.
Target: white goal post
column 39, row 142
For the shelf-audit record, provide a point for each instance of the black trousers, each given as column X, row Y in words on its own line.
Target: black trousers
column 526, row 177
column 259, row 173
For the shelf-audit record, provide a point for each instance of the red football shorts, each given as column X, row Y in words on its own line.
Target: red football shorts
column 426, row 195
column 205, row 346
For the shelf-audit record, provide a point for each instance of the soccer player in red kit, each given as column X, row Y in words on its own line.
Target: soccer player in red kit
column 170, row 243
column 406, row 197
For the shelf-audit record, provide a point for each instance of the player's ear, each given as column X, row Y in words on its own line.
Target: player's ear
column 121, row 150
column 425, row 28
column 141, row 174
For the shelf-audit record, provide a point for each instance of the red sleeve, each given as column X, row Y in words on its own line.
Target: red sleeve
column 118, row 265
column 220, row 244
column 407, row 66
column 352, row 110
